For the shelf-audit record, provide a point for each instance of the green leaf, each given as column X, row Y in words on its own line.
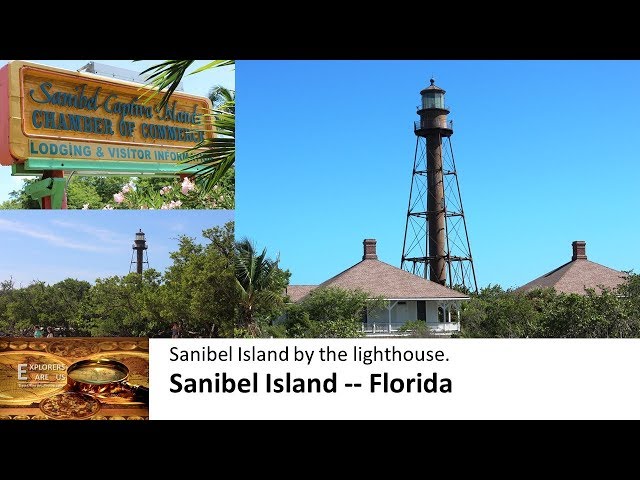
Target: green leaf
column 166, row 75
column 216, row 155
column 215, row 63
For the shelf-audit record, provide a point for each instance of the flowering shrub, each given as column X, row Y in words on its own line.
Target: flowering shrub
column 110, row 192
column 173, row 194
column 187, row 186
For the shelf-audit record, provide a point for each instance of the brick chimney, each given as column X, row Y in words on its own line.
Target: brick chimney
column 579, row 250
column 369, row 249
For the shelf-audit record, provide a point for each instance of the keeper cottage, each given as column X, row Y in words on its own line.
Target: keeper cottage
column 408, row 296
column 578, row 275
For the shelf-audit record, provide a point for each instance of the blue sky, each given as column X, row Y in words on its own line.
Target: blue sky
column 57, row 244
column 198, row 84
column 547, row 152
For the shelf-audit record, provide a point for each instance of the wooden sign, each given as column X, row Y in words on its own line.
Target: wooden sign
column 53, row 115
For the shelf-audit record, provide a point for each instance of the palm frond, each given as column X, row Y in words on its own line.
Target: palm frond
column 165, row 75
column 215, row 156
column 215, row 63
column 222, row 99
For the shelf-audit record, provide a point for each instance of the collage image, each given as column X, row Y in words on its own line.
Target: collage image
column 124, row 216
column 118, row 200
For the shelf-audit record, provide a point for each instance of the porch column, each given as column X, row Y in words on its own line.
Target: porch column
column 458, row 306
column 391, row 305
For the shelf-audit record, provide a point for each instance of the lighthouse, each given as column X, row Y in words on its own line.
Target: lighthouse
column 436, row 243
column 139, row 252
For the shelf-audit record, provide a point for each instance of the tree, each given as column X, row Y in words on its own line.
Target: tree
column 104, row 185
column 261, row 284
column 54, row 306
column 124, row 306
column 223, row 99
column 81, row 193
column 18, row 199
column 200, row 290
column 216, row 155
column 7, row 288
column 330, row 312
column 545, row 313
column 494, row 312
column 64, row 300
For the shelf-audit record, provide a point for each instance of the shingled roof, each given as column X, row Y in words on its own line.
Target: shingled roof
column 296, row 292
column 578, row 275
column 380, row 279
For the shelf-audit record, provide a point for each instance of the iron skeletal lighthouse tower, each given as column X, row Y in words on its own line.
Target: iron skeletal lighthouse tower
column 436, row 242
column 139, row 251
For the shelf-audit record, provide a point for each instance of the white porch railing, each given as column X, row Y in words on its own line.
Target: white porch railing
column 446, row 327
column 381, row 327
column 385, row 327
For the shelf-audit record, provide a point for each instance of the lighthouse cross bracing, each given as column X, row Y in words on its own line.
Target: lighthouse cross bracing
column 436, row 242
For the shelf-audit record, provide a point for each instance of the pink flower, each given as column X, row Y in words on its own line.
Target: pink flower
column 164, row 207
column 85, row 206
column 175, row 204
column 187, row 185
column 118, row 197
column 165, row 190
column 126, row 188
